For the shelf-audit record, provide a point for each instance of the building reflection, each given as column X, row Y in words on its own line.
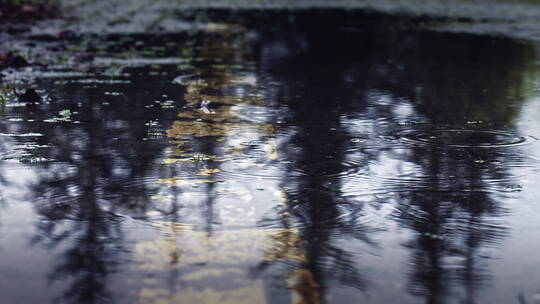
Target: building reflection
column 216, row 139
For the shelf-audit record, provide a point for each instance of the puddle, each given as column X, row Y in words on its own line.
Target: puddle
column 288, row 164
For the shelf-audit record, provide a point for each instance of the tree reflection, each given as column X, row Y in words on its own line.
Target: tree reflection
column 340, row 97
column 454, row 204
column 456, row 212
column 454, row 233
column 315, row 151
column 98, row 173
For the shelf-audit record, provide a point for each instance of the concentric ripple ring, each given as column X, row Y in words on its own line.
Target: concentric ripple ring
column 460, row 138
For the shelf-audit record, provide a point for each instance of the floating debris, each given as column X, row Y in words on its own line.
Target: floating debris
column 515, row 188
column 63, row 116
column 357, row 140
column 204, row 107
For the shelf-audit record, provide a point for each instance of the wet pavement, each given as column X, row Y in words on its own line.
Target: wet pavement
column 291, row 163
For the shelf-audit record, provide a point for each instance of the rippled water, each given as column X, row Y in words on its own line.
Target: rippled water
column 288, row 164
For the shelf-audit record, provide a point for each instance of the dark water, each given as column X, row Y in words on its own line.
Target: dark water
column 287, row 164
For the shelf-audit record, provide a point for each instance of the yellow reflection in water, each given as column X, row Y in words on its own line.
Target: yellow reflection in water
column 303, row 287
column 175, row 181
column 207, row 172
column 196, row 98
column 222, row 114
column 215, row 267
column 201, row 129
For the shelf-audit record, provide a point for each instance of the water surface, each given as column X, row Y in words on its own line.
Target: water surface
column 292, row 163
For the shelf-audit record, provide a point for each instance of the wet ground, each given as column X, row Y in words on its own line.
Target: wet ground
column 285, row 160
column 509, row 18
